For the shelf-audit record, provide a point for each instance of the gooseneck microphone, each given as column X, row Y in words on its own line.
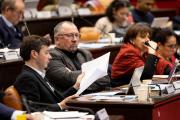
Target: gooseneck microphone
column 25, row 25
column 25, row 103
column 147, row 44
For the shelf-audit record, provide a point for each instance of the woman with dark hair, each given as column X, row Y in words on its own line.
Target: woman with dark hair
column 166, row 40
column 116, row 19
column 135, row 53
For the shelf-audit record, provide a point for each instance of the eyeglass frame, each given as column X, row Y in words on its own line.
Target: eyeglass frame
column 70, row 36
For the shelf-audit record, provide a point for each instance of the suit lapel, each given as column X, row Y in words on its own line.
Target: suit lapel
column 43, row 81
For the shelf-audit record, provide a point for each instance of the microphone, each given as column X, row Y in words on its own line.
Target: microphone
column 24, row 100
column 147, row 44
column 25, row 24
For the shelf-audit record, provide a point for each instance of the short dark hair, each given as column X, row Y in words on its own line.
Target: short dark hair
column 30, row 43
column 162, row 34
column 10, row 4
column 115, row 5
column 134, row 30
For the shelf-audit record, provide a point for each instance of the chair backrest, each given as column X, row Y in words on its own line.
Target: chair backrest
column 89, row 34
column 12, row 98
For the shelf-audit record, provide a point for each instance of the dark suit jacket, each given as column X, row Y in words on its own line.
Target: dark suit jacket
column 63, row 72
column 5, row 112
column 35, row 88
column 139, row 16
column 8, row 37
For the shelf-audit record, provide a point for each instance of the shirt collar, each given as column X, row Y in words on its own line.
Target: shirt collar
column 8, row 23
column 41, row 73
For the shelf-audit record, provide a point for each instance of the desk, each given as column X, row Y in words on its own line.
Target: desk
column 160, row 108
column 9, row 70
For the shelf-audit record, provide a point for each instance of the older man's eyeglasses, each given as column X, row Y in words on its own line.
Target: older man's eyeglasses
column 71, row 36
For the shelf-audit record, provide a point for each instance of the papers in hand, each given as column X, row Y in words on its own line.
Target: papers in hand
column 64, row 115
column 93, row 70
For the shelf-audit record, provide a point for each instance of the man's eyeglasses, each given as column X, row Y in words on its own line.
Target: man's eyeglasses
column 71, row 36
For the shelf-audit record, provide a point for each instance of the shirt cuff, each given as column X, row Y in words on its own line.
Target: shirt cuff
column 15, row 113
column 60, row 106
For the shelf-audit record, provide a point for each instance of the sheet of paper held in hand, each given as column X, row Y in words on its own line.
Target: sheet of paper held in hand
column 93, row 70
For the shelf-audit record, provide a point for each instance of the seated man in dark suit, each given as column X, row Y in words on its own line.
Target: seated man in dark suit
column 32, row 82
column 12, row 12
column 65, row 65
column 142, row 11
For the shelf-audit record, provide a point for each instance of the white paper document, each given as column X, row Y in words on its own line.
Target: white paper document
column 64, row 115
column 93, row 70
column 112, row 93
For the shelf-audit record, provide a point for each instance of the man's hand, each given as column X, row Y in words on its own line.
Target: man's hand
column 63, row 105
column 35, row 116
column 78, row 81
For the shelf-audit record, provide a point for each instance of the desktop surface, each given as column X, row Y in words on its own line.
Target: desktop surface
column 164, row 107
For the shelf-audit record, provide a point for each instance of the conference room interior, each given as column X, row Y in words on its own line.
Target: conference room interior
column 160, row 105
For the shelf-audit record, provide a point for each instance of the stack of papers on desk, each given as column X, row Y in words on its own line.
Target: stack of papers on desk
column 164, row 76
column 115, row 98
column 103, row 93
column 68, row 115
column 9, row 54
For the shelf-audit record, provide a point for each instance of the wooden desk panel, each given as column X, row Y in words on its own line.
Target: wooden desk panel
column 161, row 108
column 9, row 70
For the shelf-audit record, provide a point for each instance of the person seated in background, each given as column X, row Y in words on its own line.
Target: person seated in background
column 177, row 52
column 166, row 40
column 32, row 82
column 142, row 11
column 116, row 19
column 48, row 5
column 12, row 13
column 67, row 58
column 134, row 53
column 176, row 22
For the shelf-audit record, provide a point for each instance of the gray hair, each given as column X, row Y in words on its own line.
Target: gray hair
column 8, row 4
column 59, row 27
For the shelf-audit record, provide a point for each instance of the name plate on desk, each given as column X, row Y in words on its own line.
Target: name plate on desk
column 44, row 14
column 84, row 11
column 169, row 89
column 65, row 11
column 102, row 114
column 11, row 55
column 176, row 84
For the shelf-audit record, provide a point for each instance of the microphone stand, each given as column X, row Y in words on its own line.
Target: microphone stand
column 24, row 100
column 25, row 24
